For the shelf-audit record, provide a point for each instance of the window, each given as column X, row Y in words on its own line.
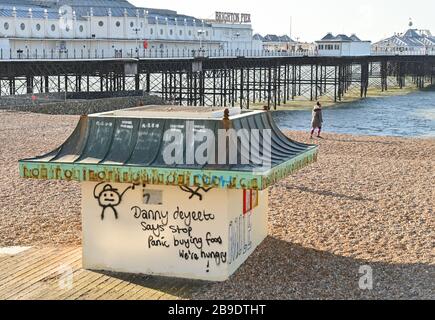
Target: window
column 53, row 27
column 181, row 32
column 171, row 32
column 151, row 31
column 101, row 23
column 132, row 24
column 67, row 29
column 206, row 33
column 190, row 32
column 38, row 27
column 81, row 28
column 337, row 47
column 118, row 24
column 161, row 31
column 22, row 26
column 6, row 26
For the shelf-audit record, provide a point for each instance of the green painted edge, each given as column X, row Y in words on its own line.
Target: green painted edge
column 290, row 167
column 165, row 176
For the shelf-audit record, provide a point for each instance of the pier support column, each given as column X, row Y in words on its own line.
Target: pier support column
column 364, row 79
column 29, row 82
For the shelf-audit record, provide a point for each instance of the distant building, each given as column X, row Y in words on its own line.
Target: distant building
column 275, row 43
column 272, row 42
column 342, row 45
column 412, row 41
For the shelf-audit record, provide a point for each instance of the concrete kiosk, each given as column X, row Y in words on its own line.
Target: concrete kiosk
column 188, row 219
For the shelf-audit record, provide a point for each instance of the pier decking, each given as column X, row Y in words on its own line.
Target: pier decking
column 56, row 273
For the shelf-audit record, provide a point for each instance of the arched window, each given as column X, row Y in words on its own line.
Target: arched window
column 100, row 23
column 118, row 24
column 81, row 28
column 6, row 26
column 132, row 24
column 53, row 27
column 23, row 26
column 181, row 32
column 151, row 31
column 38, row 27
column 161, row 31
column 171, row 32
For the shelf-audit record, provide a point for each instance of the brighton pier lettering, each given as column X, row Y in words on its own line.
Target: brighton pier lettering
column 230, row 17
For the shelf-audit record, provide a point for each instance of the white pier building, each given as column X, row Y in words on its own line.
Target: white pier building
column 110, row 28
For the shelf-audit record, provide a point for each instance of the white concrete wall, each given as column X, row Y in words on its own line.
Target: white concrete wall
column 356, row 48
column 128, row 245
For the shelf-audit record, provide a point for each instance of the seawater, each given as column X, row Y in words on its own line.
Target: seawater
column 411, row 115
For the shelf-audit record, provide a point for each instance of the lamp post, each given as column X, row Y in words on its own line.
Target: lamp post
column 237, row 42
column 200, row 35
column 137, row 40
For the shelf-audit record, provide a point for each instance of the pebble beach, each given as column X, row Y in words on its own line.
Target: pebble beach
column 368, row 201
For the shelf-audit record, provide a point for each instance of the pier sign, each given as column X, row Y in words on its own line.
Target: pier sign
column 230, row 17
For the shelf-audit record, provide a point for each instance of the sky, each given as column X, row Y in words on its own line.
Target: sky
column 312, row 19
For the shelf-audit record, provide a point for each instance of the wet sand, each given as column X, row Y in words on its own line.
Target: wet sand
column 368, row 201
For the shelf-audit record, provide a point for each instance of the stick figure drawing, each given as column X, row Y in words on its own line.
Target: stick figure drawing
column 109, row 197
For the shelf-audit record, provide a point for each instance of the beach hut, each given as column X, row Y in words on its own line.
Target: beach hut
column 173, row 191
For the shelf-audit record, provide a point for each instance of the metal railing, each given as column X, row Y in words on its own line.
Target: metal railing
column 144, row 54
column 174, row 54
column 420, row 52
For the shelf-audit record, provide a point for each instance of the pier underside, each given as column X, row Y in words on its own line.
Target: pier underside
column 242, row 82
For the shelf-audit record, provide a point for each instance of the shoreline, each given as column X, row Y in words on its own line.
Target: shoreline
column 374, row 93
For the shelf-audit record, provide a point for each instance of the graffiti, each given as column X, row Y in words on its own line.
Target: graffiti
column 152, row 242
column 176, row 229
column 188, row 216
column 195, row 192
column 240, row 236
column 109, row 197
column 219, row 256
column 187, row 243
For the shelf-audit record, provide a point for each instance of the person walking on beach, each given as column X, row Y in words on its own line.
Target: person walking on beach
column 317, row 121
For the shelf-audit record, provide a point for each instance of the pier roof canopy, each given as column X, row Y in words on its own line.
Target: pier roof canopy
column 411, row 38
column 82, row 8
column 329, row 37
column 133, row 142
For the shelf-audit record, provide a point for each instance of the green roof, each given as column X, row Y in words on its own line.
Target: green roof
column 127, row 147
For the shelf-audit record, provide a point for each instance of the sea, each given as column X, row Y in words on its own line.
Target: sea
column 411, row 115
